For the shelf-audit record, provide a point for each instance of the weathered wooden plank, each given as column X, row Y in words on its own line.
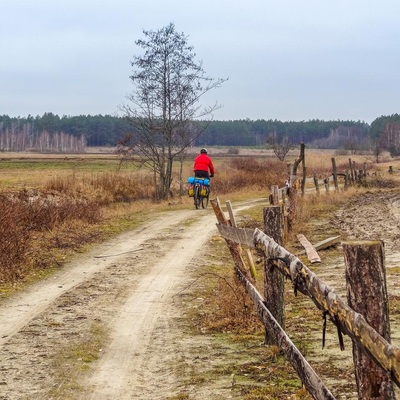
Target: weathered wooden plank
column 308, row 376
column 230, row 212
column 323, row 244
column 312, row 254
column 240, row 236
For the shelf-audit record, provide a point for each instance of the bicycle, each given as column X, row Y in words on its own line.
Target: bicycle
column 201, row 191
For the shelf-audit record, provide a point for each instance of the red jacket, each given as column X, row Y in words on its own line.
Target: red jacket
column 203, row 163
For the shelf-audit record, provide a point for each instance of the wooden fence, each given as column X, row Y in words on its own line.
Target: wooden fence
column 369, row 341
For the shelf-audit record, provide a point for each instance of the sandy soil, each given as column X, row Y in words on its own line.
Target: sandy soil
column 131, row 288
column 125, row 286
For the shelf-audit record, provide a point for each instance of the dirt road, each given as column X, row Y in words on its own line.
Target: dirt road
column 127, row 290
column 123, row 288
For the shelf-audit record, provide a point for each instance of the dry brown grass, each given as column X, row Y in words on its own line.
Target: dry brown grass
column 65, row 202
column 243, row 173
column 106, row 187
column 26, row 216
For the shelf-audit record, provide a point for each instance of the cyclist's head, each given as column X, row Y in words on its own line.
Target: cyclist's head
column 203, row 151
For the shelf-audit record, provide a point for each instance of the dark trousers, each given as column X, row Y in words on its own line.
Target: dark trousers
column 201, row 174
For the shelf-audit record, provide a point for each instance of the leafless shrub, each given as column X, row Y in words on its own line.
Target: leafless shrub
column 24, row 215
column 240, row 173
column 14, row 239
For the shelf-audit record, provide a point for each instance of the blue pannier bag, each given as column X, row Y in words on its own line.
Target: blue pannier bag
column 202, row 181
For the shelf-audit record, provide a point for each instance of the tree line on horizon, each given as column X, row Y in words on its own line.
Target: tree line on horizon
column 51, row 132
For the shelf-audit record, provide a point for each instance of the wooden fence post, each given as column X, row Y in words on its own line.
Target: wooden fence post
column 293, row 189
column 326, row 182
column 303, row 181
column 367, row 295
column 275, row 194
column 334, row 173
column 274, row 281
column 316, row 183
column 351, row 171
column 360, row 175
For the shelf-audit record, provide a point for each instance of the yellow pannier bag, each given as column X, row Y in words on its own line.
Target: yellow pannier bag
column 203, row 191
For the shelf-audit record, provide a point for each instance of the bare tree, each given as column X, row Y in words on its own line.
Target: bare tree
column 280, row 147
column 168, row 84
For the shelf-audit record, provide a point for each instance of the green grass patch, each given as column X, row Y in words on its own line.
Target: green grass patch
column 72, row 361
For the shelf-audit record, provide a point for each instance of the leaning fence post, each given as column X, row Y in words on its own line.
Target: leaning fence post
column 274, row 280
column 249, row 257
column 234, row 248
column 367, row 295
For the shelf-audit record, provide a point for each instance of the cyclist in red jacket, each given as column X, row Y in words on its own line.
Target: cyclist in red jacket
column 203, row 164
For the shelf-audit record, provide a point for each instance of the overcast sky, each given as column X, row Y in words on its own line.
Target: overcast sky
column 290, row 60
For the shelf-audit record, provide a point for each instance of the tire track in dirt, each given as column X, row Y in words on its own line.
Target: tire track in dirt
column 126, row 356
column 24, row 306
column 126, row 292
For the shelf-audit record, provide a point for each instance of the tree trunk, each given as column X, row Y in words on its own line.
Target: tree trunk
column 367, row 295
column 274, row 281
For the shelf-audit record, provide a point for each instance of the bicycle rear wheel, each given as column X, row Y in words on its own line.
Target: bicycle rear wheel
column 204, row 201
column 197, row 196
